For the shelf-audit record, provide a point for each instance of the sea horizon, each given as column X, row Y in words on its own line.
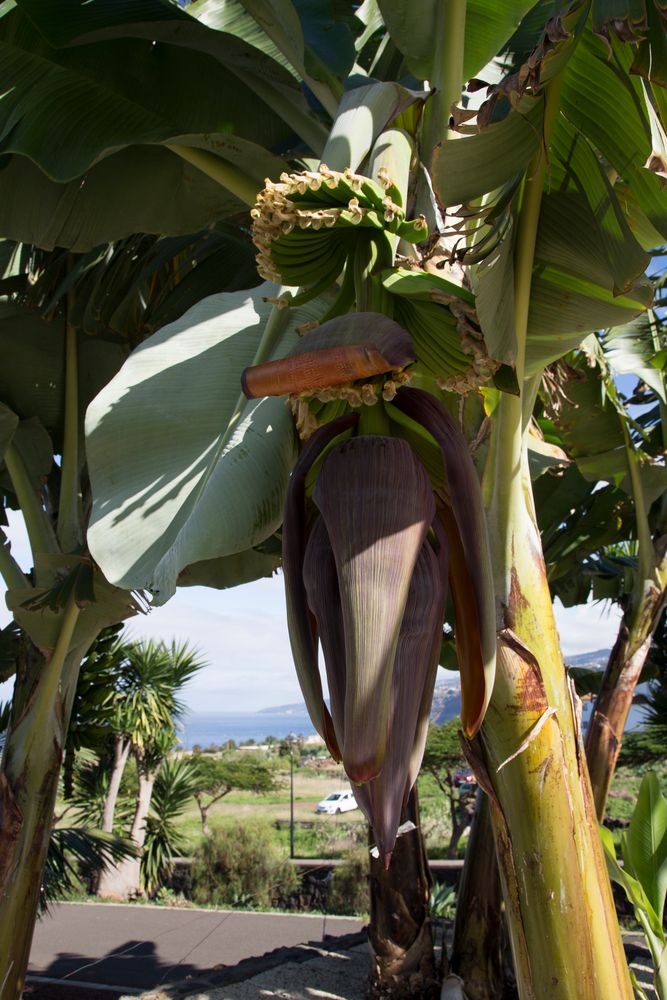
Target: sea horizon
column 206, row 728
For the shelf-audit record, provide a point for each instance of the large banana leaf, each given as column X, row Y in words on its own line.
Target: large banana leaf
column 229, row 571
column 304, row 35
column 94, row 116
column 32, row 366
column 233, row 18
column 181, row 471
column 605, row 101
column 645, row 843
column 96, row 56
column 634, row 349
column 8, row 425
column 593, row 433
column 161, row 193
column 33, row 445
column 588, row 253
column 488, row 27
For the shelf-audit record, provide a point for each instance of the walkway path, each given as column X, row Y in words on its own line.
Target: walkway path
column 140, row 947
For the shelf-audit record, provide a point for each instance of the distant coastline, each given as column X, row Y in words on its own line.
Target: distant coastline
column 206, row 728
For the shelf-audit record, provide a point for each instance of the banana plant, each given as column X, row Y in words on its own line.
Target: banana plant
column 545, row 197
column 643, row 873
column 617, row 447
column 60, row 607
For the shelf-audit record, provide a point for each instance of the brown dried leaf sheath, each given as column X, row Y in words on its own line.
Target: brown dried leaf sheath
column 345, row 349
column 313, row 370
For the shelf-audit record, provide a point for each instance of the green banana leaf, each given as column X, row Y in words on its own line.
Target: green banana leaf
column 206, row 80
column 634, row 889
column 181, row 470
column 604, row 101
column 153, row 76
column 488, row 27
column 8, row 425
column 644, row 843
column 161, row 193
column 32, row 366
column 233, row 18
column 319, row 46
column 592, row 431
column 229, row 571
column 590, row 247
column 632, row 349
column 35, row 448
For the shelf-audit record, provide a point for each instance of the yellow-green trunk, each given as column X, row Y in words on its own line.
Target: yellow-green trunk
column 565, row 935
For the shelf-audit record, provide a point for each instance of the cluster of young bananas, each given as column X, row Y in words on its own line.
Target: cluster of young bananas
column 441, row 319
column 306, row 226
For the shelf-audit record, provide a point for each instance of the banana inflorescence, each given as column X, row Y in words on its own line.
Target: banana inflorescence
column 383, row 515
column 307, row 226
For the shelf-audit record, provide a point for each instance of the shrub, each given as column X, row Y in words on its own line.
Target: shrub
column 239, row 865
column 348, row 891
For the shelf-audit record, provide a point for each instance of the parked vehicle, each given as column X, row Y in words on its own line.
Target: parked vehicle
column 464, row 777
column 337, row 802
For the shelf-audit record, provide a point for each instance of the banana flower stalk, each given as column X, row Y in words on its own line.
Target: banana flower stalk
column 371, row 543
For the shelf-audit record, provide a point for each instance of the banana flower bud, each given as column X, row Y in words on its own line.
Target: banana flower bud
column 371, row 542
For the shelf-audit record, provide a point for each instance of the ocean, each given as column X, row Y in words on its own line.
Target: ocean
column 205, row 728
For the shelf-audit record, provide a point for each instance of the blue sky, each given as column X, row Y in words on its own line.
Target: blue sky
column 242, row 634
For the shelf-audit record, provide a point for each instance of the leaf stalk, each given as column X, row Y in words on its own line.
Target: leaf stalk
column 450, row 41
column 9, row 568
column 41, row 535
column 69, row 530
column 223, row 173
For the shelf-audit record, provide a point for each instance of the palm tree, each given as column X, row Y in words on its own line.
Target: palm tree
column 151, row 675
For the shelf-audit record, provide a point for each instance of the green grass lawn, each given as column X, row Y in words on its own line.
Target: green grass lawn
column 625, row 788
column 332, row 836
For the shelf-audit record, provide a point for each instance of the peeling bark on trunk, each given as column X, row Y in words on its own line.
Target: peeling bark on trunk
column 614, row 700
column 400, row 937
column 477, row 954
column 529, row 759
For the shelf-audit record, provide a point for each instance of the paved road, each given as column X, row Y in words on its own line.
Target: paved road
column 144, row 946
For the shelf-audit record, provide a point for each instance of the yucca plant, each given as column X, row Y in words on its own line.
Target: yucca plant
column 77, row 854
column 174, row 786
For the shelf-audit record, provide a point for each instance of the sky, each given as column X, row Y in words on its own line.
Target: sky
column 242, row 636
